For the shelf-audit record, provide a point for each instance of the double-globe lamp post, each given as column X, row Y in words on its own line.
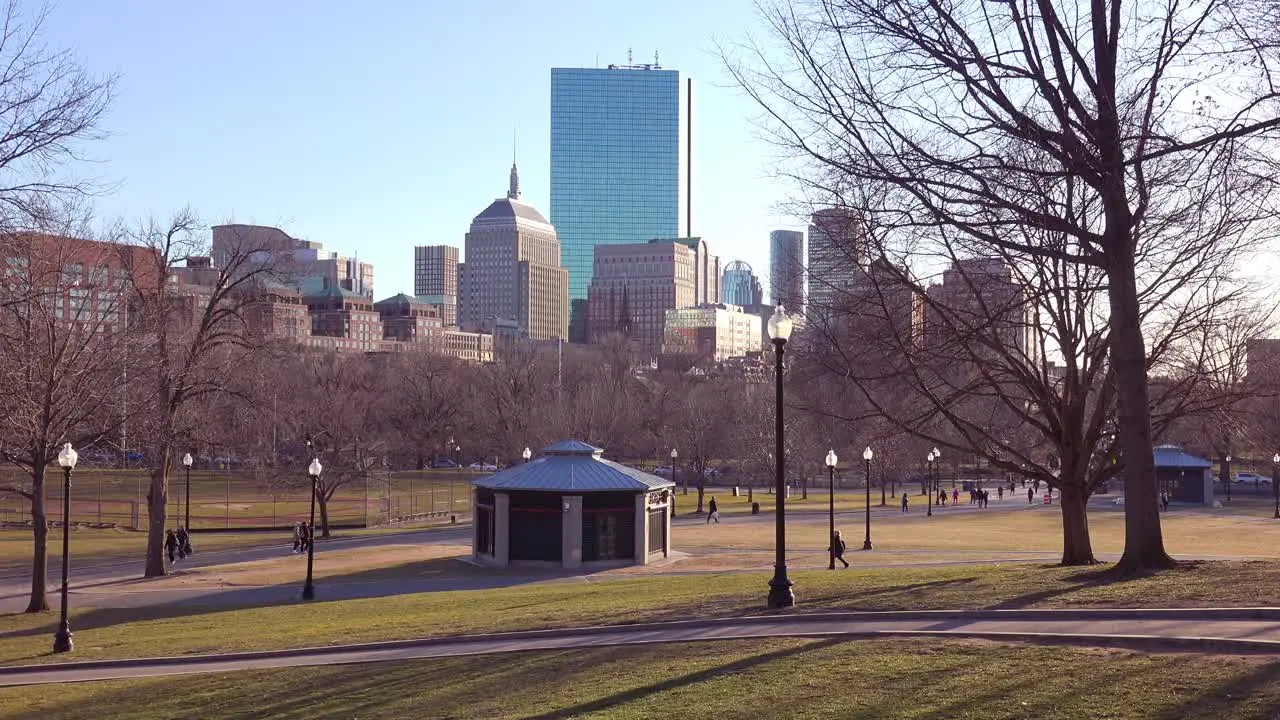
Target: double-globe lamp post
column 937, row 471
column 866, row 456
column 186, row 464
column 309, row 588
column 831, row 507
column 67, row 461
column 928, row 479
column 780, row 593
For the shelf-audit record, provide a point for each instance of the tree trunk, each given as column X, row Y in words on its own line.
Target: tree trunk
column 157, row 516
column 1077, row 549
column 322, row 503
column 701, row 488
column 1143, row 541
column 40, row 543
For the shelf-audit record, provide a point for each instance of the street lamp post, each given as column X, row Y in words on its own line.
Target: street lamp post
column 780, row 593
column 866, row 456
column 831, row 508
column 67, row 461
column 1275, row 481
column 1226, row 475
column 186, row 464
column 526, row 454
column 928, row 474
column 309, row 589
column 675, row 455
column 937, row 471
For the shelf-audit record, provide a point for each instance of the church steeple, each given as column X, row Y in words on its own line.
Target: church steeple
column 513, row 191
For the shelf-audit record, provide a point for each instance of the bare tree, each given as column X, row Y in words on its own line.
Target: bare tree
column 199, row 341
column 973, row 119
column 64, row 341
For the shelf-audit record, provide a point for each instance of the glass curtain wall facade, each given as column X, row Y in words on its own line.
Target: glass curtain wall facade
column 741, row 287
column 615, row 161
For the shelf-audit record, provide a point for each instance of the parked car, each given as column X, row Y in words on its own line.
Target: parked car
column 443, row 464
column 1248, row 478
column 484, row 467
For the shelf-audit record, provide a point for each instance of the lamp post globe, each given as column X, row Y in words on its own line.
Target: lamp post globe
column 831, row 507
column 309, row 588
column 780, row 592
column 866, row 457
column 67, row 458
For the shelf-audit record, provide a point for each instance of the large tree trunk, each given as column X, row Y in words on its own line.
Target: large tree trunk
column 157, row 516
column 701, row 488
column 322, row 501
column 1143, row 541
column 1077, row 549
column 40, row 544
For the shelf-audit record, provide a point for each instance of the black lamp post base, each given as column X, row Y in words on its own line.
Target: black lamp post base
column 62, row 640
column 308, row 592
column 866, row 545
column 780, row 594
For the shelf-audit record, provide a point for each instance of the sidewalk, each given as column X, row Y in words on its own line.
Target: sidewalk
column 1226, row 630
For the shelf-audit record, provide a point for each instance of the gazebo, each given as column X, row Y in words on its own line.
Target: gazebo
column 1184, row 475
column 570, row 507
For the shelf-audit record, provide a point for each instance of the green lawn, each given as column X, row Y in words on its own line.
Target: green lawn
column 889, row 678
column 170, row 630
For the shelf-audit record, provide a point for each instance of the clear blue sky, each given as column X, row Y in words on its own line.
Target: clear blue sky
column 373, row 127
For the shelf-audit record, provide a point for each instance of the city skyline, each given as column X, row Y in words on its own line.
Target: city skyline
column 175, row 143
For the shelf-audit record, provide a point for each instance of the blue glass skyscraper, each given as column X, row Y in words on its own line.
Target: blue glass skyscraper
column 615, row 161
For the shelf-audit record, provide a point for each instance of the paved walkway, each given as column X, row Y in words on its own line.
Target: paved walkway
column 1225, row 631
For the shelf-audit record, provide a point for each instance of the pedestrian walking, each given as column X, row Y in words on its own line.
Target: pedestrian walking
column 184, row 543
column 904, row 502
column 305, row 537
column 837, row 548
column 713, row 513
column 955, row 496
column 1164, row 500
column 1000, row 494
column 171, row 545
column 1031, row 493
column 942, row 498
column 297, row 537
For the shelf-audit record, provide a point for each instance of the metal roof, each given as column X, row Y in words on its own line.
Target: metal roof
column 1172, row 456
column 572, row 466
column 507, row 211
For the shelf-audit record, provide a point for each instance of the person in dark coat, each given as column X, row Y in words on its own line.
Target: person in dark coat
column 838, row 547
column 305, row 537
column 170, row 545
column 1031, row 493
column 904, row 503
column 184, row 543
column 297, row 537
column 712, row 512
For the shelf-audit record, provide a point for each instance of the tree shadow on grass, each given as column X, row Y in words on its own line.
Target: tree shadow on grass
column 1216, row 700
column 641, row 693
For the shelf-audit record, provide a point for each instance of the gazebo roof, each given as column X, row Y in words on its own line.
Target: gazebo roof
column 1172, row 456
column 572, row 466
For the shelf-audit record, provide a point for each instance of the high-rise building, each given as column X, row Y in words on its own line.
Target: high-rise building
column 435, row 279
column 512, row 270
column 633, row 286
column 615, row 161
column 837, row 250
column 981, row 295
column 786, row 269
column 740, row 285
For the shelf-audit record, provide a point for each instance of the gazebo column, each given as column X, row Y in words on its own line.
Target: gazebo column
column 571, row 531
column 475, row 523
column 501, row 529
column 642, row 529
